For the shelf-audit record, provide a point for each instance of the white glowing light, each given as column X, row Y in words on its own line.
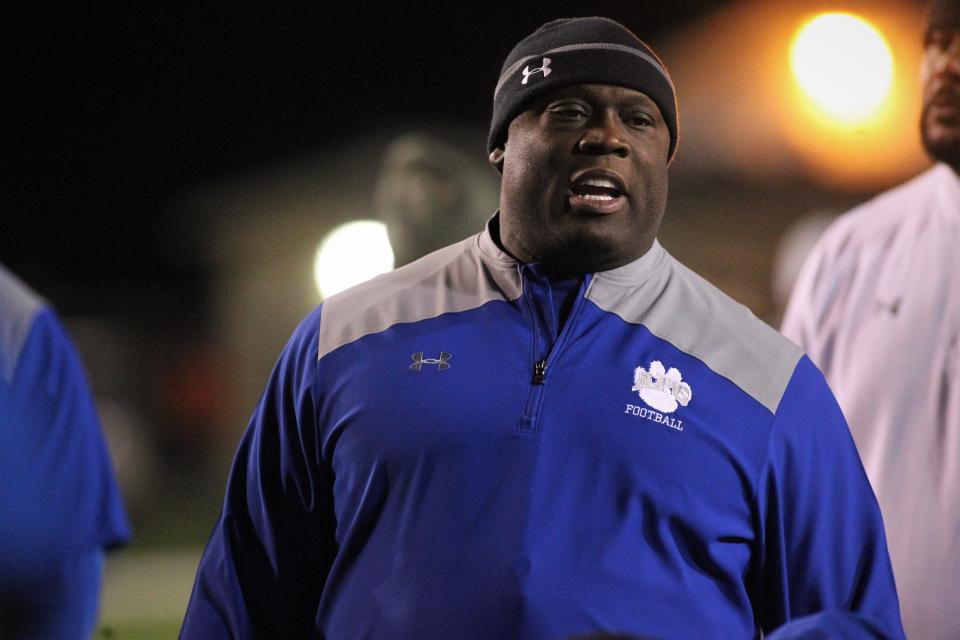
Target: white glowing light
column 350, row 254
column 844, row 65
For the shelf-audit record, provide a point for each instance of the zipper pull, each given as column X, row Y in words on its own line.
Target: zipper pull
column 539, row 371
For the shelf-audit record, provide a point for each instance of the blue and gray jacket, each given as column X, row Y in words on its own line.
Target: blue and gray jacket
column 59, row 498
column 433, row 458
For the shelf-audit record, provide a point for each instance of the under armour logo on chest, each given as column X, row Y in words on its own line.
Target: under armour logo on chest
column 892, row 307
column 443, row 362
column 543, row 68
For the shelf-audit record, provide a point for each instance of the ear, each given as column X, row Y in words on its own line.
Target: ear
column 496, row 159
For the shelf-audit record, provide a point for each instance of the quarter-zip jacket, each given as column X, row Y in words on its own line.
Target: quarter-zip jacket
column 877, row 306
column 431, row 459
column 59, row 498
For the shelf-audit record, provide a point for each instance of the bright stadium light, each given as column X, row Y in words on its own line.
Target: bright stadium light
column 844, row 65
column 350, row 254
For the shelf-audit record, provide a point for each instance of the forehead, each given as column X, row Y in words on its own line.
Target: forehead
column 606, row 93
column 944, row 15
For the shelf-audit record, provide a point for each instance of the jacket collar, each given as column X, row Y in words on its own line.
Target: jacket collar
column 949, row 187
column 634, row 273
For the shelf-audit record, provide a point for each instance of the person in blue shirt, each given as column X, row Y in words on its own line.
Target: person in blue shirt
column 60, row 507
column 552, row 428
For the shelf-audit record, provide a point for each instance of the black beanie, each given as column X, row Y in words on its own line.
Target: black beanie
column 944, row 14
column 573, row 51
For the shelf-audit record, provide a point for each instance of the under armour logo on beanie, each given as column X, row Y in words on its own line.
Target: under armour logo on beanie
column 572, row 51
column 544, row 68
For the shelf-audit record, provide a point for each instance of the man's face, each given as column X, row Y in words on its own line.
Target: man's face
column 940, row 73
column 584, row 182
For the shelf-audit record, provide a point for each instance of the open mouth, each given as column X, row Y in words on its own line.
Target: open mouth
column 597, row 189
column 947, row 97
column 943, row 110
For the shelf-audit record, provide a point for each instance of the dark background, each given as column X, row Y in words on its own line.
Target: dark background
column 115, row 110
column 116, row 116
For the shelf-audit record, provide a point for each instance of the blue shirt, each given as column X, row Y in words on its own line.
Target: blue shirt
column 677, row 469
column 58, row 495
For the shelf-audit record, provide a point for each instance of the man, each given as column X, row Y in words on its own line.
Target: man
column 60, row 507
column 877, row 307
column 552, row 428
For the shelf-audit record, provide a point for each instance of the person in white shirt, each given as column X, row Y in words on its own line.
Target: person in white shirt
column 877, row 307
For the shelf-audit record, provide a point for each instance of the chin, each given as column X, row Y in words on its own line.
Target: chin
column 941, row 140
column 943, row 148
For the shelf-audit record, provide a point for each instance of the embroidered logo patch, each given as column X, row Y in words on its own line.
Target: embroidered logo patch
column 661, row 389
column 443, row 362
column 544, row 68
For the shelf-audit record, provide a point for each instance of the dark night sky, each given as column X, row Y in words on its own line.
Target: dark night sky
column 115, row 110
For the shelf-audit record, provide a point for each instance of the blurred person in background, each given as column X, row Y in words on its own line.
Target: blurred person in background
column 791, row 252
column 552, row 427
column 60, row 507
column 429, row 193
column 877, row 307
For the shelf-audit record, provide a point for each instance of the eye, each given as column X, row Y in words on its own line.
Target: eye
column 938, row 39
column 569, row 110
column 639, row 119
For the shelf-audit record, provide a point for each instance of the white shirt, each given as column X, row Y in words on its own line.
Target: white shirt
column 877, row 307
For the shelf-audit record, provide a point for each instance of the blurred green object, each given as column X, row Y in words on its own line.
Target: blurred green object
column 139, row 630
column 145, row 593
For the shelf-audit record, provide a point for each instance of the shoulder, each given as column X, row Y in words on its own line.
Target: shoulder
column 729, row 338
column 857, row 248
column 681, row 307
column 20, row 307
column 450, row 280
column 872, row 223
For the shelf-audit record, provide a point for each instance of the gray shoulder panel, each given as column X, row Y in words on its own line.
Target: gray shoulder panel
column 452, row 279
column 679, row 306
column 18, row 307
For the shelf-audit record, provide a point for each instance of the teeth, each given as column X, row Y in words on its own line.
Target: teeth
column 600, row 182
column 604, row 198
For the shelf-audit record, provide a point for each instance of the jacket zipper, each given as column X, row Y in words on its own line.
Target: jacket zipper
column 539, row 372
column 531, row 410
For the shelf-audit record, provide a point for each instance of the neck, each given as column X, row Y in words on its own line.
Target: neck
column 571, row 260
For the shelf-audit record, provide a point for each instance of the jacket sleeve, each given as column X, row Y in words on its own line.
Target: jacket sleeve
column 799, row 318
column 264, row 567
column 822, row 541
column 830, row 624
column 59, row 497
column 819, row 297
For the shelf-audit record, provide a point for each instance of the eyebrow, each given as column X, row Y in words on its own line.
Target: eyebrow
column 565, row 93
column 940, row 29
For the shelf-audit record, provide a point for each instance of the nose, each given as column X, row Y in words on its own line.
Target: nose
column 604, row 135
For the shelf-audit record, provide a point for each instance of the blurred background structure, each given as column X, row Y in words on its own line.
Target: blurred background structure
column 173, row 173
